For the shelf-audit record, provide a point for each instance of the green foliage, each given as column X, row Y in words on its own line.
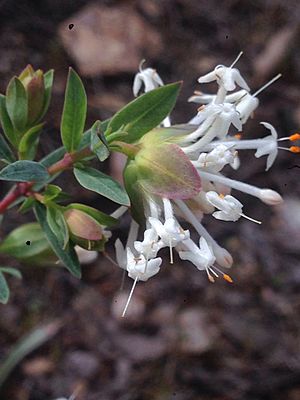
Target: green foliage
column 99, row 146
column 6, row 123
column 4, row 288
column 6, row 154
column 58, row 225
column 67, row 256
column 28, row 143
column 17, row 104
column 24, row 171
column 74, row 112
column 101, row 183
column 145, row 112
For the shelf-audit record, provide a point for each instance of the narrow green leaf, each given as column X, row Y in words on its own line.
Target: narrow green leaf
column 28, row 343
column 103, row 184
column 48, row 82
column 58, row 225
column 145, row 112
column 74, row 112
column 4, row 289
column 17, row 103
column 51, row 192
column 26, row 205
column 24, row 171
column 28, row 143
column 11, row 271
column 99, row 146
column 6, row 123
column 99, row 216
column 6, row 154
column 68, row 256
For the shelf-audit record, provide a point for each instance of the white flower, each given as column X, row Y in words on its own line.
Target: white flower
column 202, row 257
column 170, row 232
column 227, row 77
column 231, row 208
column 246, row 106
column 121, row 255
column 141, row 269
column 150, row 246
column 268, row 145
column 149, row 77
column 216, row 159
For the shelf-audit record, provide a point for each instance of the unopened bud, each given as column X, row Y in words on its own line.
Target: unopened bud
column 270, row 197
column 85, row 230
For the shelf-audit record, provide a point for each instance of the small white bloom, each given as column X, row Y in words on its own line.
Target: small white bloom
column 246, row 106
column 216, row 159
column 171, row 233
column 149, row 77
column 141, row 269
column 268, row 145
column 121, row 255
column 230, row 208
column 202, row 257
column 150, row 246
column 227, row 77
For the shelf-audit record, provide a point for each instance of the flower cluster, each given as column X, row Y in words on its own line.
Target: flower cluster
column 197, row 152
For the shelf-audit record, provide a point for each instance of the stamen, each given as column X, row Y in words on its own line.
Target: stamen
column 267, row 85
column 130, row 295
column 295, row 149
column 251, row 219
column 214, row 272
column 227, row 278
column 171, row 252
column 89, row 245
column 237, row 59
column 295, row 136
column 210, row 277
column 141, row 64
column 238, row 136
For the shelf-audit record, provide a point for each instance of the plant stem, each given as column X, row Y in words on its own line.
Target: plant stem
column 23, row 188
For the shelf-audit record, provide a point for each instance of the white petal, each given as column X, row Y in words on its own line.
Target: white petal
column 137, row 83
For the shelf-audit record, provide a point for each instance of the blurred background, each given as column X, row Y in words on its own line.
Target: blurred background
column 183, row 338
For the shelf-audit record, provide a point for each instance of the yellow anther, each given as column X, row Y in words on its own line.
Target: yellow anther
column 295, row 149
column 221, row 195
column 227, row 278
column 238, row 136
column 295, row 136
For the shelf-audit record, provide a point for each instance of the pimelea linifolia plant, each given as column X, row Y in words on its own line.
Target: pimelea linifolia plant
column 173, row 175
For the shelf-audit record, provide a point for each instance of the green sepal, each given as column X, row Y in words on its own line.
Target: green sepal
column 48, row 83
column 6, row 124
column 17, row 104
column 74, row 112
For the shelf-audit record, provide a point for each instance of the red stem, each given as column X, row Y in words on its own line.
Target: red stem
column 23, row 188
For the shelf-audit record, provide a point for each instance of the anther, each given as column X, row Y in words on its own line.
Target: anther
column 295, row 149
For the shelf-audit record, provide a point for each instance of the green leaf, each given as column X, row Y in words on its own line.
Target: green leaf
column 17, row 103
column 99, row 146
column 48, row 82
column 25, row 242
column 58, row 225
column 51, row 192
column 26, row 205
column 99, row 216
column 53, row 157
column 24, row 171
column 74, row 112
column 98, row 182
column 28, row 143
column 6, row 123
column 6, row 154
column 11, row 271
column 145, row 112
column 4, row 289
column 68, row 256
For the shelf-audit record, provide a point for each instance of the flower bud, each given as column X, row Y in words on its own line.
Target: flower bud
column 270, row 197
column 33, row 82
column 85, row 230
